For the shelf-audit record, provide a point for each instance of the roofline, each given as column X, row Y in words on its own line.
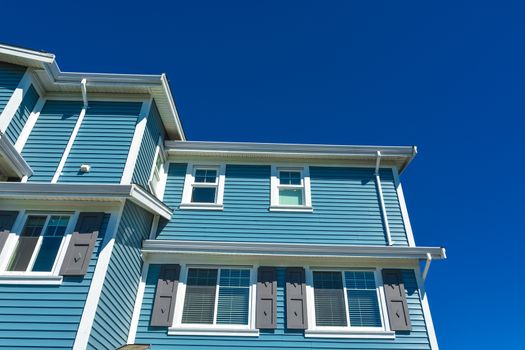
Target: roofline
column 47, row 62
column 402, row 154
column 11, row 155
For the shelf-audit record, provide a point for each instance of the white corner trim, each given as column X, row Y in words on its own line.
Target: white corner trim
column 404, row 210
column 69, row 145
column 382, row 206
column 134, row 149
column 28, row 278
column 426, row 310
column 30, row 124
column 99, row 275
column 138, row 304
column 15, row 100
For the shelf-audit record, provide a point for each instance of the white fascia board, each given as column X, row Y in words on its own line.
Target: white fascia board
column 89, row 192
column 40, row 56
column 287, row 250
column 14, row 160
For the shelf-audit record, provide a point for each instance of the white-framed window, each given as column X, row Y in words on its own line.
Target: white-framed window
column 290, row 189
column 157, row 178
column 346, row 303
column 215, row 300
column 39, row 247
column 204, row 187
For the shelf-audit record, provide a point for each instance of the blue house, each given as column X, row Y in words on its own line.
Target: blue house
column 117, row 232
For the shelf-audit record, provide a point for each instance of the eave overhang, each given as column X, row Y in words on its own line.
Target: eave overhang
column 85, row 192
column 12, row 164
column 281, row 250
column 53, row 80
column 398, row 156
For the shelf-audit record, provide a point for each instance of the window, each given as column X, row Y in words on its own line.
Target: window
column 346, row 301
column 203, row 188
column 39, row 243
column 157, row 176
column 217, row 299
column 290, row 189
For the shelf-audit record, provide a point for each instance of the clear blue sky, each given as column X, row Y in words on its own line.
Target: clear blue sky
column 447, row 77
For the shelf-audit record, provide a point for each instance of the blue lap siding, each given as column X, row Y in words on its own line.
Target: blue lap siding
column 49, row 137
column 45, row 317
column 103, row 141
column 113, row 316
column 345, row 202
column 10, row 76
column 154, row 130
column 281, row 338
column 20, row 117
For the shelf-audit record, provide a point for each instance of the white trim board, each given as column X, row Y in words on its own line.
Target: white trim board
column 404, row 209
column 30, row 124
column 138, row 304
column 426, row 310
column 16, row 99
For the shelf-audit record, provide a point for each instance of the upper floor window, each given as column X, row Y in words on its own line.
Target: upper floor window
column 157, row 176
column 290, row 189
column 203, row 187
column 39, row 243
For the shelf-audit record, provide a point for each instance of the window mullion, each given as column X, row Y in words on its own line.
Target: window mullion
column 345, row 292
column 215, row 308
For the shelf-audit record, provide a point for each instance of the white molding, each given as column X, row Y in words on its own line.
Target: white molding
column 138, row 304
column 298, row 209
column 16, row 99
column 348, row 333
column 136, row 142
column 426, row 310
column 97, row 282
column 69, row 145
column 31, row 279
column 214, row 331
column 11, row 160
column 189, row 181
column 154, row 227
column 404, row 209
column 30, row 124
column 305, row 186
column 201, row 206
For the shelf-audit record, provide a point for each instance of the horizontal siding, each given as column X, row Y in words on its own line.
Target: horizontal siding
column 43, row 317
column 49, row 137
column 10, row 76
column 345, row 202
column 281, row 338
column 103, row 141
column 154, row 130
column 22, row 113
column 113, row 317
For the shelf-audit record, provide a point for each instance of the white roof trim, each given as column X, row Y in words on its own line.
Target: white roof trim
column 10, row 158
column 160, row 246
column 87, row 192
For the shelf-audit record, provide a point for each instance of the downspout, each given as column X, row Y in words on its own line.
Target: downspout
column 382, row 201
column 83, row 87
column 427, row 266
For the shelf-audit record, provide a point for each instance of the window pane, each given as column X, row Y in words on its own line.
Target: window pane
column 290, row 177
column 291, row 196
column 199, row 302
column 234, row 294
column 205, row 175
column 329, row 299
column 203, row 195
column 51, row 243
column 27, row 243
column 363, row 305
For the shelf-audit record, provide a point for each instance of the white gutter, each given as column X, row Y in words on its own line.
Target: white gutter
column 382, row 201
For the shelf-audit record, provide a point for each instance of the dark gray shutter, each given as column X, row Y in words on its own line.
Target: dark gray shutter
column 396, row 300
column 164, row 305
column 296, row 299
column 81, row 245
column 7, row 219
column 266, row 307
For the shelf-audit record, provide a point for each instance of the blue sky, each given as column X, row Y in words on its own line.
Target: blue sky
column 447, row 77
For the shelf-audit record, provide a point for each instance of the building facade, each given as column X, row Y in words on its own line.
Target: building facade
column 116, row 231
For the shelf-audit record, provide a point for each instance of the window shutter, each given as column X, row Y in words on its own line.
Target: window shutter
column 296, row 299
column 266, row 307
column 164, row 304
column 396, row 300
column 81, row 245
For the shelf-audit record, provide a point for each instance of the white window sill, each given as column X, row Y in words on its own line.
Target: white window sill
column 201, row 206
column 349, row 333
column 31, row 279
column 214, row 331
column 292, row 208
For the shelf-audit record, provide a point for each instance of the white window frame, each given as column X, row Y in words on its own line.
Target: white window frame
column 158, row 190
column 305, row 186
column 179, row 328
column 189, row 183
column 314, row 331
column 35, row 277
